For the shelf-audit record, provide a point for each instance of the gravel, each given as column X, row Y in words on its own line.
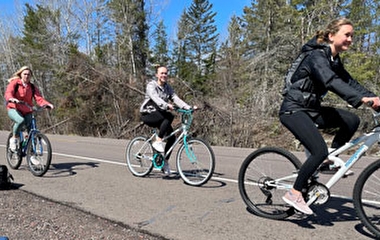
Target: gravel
column 24, row 215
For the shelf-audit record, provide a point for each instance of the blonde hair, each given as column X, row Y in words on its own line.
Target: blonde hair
column 17, row 75
column 333, row 27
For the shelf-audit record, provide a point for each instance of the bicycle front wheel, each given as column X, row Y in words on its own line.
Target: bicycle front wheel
column 14, row 159
column 264, row 177
column 139, row 155
column 38, row 154
column 366, row 197
column 195, row 162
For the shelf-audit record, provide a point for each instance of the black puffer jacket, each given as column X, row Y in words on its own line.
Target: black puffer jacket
column 316, row 75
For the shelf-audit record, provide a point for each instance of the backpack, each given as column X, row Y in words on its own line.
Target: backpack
column 293, row 68
column 6, row 178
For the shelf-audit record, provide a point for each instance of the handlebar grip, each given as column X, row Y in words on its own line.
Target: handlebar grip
column 370, row 103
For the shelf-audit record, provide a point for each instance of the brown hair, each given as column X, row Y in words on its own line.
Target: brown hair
column 333, row 27
column 158, row 66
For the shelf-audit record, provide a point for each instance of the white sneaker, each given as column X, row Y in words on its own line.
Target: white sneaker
column 13, row 143
column 159, row 146
column 166, row 168
column 34, row 160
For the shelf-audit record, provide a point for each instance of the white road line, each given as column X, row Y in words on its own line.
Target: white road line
column 91, row 159
column 124, row 164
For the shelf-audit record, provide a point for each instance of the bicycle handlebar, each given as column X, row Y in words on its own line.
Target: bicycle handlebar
column 182, row 110
column 33, row 108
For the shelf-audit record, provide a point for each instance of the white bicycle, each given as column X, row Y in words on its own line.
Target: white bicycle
column 267, row 173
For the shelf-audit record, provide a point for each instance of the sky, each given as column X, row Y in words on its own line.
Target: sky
column 170, row 11
column 224, row 9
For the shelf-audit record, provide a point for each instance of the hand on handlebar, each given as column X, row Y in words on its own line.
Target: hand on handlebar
column 373, row 102
column 50, row 106
column 14, row 100
column 171, row 107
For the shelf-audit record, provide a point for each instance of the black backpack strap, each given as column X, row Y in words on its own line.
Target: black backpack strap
column 293, row 68
column 31, row 85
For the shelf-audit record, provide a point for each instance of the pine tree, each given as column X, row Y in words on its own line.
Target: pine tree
column 160, row 51
column 183, row 67
column 202, row 42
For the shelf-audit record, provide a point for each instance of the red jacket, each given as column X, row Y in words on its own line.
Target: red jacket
column 25, row 94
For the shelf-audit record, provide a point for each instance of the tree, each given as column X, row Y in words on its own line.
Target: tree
column 160, row 51
column 201, row 42
column 129, row 18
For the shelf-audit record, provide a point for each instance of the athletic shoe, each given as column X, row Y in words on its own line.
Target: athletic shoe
column 297, row 202
column 166, row 168
column 159, row 146
column 34, row 160
column 328, row 167
column 13, row 144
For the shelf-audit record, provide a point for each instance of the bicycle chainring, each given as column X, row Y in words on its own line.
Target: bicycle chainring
column 159, row 160
column 320, row 191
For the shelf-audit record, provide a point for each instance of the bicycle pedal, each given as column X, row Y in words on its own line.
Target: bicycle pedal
column 348, row 173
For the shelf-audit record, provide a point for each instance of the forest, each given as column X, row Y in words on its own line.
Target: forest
column 93, row 58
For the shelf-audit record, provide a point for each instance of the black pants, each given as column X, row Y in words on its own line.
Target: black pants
column 163, row 121
column 305, row 129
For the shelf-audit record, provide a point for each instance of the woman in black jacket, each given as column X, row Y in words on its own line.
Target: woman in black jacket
column 301, row 111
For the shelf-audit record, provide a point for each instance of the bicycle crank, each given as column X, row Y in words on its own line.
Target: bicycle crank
column 319, row 192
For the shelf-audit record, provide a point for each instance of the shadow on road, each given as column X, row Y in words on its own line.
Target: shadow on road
column 212, row 183
column 69, row 168
column 335, row 210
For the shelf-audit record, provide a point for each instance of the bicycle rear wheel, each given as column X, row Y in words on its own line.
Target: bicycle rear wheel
column 14, row 159
column 139, row 154
column 264, row 177
column 366, row 198
column 196, row 163
column 38, row 154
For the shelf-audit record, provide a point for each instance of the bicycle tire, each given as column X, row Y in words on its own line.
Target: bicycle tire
column 139, row 154
column 366, row 198
column 197, row 165
column 263, row 196
column 38, row 154
column 14, row 159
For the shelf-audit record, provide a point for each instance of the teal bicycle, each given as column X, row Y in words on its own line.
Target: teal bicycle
column 36, row 147
column 195, row 158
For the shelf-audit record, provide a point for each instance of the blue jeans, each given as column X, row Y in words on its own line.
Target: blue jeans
column 19, row 120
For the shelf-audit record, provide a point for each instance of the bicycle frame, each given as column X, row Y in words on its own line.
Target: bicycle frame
column 186, row 120
column 366, row 141
column 32, row 132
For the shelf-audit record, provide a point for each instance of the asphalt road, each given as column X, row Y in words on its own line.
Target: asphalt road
column 91, row 174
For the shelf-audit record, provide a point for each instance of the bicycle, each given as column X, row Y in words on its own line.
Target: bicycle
column 36, row 147
column 195, row 159
column 262, row 181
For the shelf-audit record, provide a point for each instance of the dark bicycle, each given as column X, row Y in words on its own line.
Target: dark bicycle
column 33, row 145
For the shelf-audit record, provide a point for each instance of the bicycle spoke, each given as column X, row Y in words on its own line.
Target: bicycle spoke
column 263, row 181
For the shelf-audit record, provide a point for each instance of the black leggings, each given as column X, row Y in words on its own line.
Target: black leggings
column 305, row 129
column 163, row 121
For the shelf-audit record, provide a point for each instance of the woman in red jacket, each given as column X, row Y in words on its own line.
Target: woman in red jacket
column 21, row 89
